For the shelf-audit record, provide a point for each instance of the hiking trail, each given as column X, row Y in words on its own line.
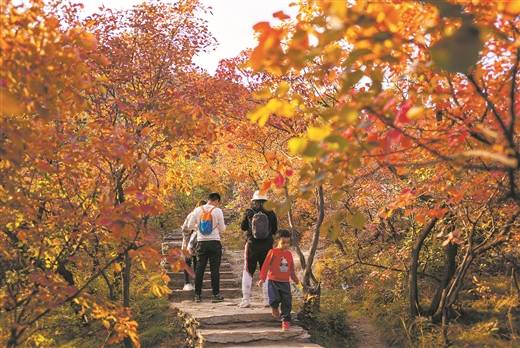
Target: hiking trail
column 224, row 324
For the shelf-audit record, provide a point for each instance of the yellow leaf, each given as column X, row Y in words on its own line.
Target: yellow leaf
column 283, row 88
column 318, row 133
column 262, row 93
column 273, row 106
column 513, row 7
column 8, row 104
column 156, row 291
column 297, row 145
column 415, row 112
column 260, row 116
column 348, row 115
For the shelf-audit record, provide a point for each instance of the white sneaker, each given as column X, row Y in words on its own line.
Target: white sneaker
column 244, row 304
column 188, row 287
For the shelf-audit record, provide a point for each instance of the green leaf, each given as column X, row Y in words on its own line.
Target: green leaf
column 390, row 59
column 355, row 54
column 336, row 196
column 356, row 220
column 337, row 140
column 333, row 231
column 382, row 36
column 351, row 79
column 458, row 52
column 349, row 115
column 355, row 163
column 312, row 150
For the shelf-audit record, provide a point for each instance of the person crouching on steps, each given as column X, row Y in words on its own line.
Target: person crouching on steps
column 278, row 269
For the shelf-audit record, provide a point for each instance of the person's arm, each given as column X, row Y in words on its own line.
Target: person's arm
column 221, row 225
column 191, row 243
column 265, row 267
column 193, row 219
column 274, row 227
column 294, row 277
column 185, row 225
column 244, row 226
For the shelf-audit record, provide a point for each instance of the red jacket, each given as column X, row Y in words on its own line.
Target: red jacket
column 278, row 266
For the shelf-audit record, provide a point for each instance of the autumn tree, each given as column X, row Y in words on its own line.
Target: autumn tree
column 90, row 108
column 423, row 95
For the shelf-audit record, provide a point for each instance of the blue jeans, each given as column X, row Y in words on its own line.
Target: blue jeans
column 280, row 294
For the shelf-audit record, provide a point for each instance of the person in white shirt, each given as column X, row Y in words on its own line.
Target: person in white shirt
column 208, row 221
column 187, row 233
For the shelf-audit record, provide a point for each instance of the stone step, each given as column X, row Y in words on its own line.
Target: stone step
column 291, row 343
column 253, row 317
column 207, row 274
column 173, row 243
column 183, row 295
column 239, row 336
column 178, row 283
column 224, row 267
column 172, row 237
column 265, row 323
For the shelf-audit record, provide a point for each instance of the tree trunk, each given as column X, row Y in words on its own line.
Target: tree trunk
column 111, row 293
column 438, row 303
column 413, row 291
column 315, row 238
column 13, row 339
column 126, row 290
column 127, row 262
column 295, row 236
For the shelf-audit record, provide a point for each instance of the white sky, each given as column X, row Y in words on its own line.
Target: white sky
column 231, row 23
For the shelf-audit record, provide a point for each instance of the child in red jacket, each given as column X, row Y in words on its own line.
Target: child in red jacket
column 278, row 269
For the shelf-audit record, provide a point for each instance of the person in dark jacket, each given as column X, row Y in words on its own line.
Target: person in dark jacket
column 259, row 225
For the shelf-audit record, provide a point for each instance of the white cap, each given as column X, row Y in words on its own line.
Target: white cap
column 257, row 196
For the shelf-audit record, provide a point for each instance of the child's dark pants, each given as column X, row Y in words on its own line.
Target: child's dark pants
column 280, row 293
column 192, row 262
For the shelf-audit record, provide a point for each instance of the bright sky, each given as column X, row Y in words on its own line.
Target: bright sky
column 231, row 23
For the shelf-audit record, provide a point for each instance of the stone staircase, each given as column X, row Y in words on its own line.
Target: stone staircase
column 224, row 324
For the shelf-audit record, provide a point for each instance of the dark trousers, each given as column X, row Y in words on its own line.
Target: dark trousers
column 208, row 250
column 192, row 262
column 255, row 255
column 280, row 293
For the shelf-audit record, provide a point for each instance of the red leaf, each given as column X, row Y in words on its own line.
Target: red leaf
column 402, row 111
column 280, row 15
column 262, row 27
column 289, row 172
column 279, row 181
column 393, row 137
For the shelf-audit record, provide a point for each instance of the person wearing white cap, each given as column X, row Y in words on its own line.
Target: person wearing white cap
column 259, row 225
